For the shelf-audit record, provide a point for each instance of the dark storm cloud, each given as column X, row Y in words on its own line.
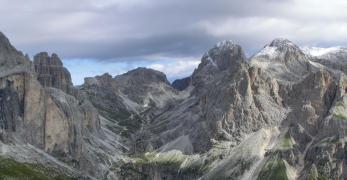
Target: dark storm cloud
column 118, row 29
column 172, row 44
column 109, row 29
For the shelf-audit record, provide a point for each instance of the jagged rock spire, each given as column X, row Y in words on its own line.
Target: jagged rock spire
column 51, row 72
column 4, row 42
column 224, row 55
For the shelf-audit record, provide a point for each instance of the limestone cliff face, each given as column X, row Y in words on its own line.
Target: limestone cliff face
column 36, row 115
column 41, row 108
column 229, row 100
column 52, row 73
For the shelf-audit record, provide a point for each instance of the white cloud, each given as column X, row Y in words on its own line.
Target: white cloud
column 174, row 68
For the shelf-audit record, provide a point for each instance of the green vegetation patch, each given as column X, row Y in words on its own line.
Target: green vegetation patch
column 173, row 164
column 339, row 110
column 274, row 169
column 329, row 140
column 287, row 142
column 339, row 116
column 173, row 159
column 340, row 104
column 11, row 169
column 196, row 169
column 169, row 163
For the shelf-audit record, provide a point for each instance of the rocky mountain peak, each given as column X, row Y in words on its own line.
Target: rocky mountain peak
column 332, row 57
column 144, row 75
column 282, row 43
column 282, row 58
column 226, row 44
column 224, row 55
column 105, row 76
column 56, row 60
column 326, row 53
column 51, row 72
column 279, row 47
column 104, row 79
column 43, row 58
column 4, row 42
column 9, row 56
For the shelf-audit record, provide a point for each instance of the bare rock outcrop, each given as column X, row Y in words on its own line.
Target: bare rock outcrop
column 52, row 73
column 230, row 99
column 9, row 55
column 130, row 101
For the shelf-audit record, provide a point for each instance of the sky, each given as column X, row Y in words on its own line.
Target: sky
column 98, row 36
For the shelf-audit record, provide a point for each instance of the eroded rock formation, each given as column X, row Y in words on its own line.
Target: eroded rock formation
column 52, row 73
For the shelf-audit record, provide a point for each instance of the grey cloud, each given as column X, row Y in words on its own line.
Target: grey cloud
column 178, row 44
column 131, row 29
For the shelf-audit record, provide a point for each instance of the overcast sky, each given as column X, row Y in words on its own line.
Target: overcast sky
column 97, row 36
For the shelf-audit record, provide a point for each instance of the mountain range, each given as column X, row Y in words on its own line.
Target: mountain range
column 279, row 114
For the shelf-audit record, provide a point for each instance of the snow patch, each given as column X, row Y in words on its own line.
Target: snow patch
column 317, row 51
column 225, row 44
column 269, row 51
column 261, row 64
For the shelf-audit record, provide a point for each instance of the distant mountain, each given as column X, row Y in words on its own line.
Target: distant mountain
column 284, row 60
column 280, row 114
column 181, row 84
column 333, row 57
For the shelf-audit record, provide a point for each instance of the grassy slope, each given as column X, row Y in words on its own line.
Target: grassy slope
column 10, row 169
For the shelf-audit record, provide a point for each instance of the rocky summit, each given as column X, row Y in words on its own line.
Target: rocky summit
column 279, row 114
column 51, row 73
